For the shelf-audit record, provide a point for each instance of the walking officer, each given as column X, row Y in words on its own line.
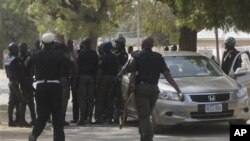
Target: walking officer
column 148, row 65
column 15, row 73
column 48, row 63
column 87, row 62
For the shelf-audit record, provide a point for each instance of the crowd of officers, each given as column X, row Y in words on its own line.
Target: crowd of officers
column 88, row 75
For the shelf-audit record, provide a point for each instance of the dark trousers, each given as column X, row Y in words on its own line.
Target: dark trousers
column 105, row 98
column 86, row 96
column 74, row 84
column 48, row 100
column 29, row 94
column 65, row 83
column 145, row 99
column 17, row 100
column 119, row 103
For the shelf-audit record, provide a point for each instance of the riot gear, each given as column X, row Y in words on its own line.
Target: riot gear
column 230, row 41
column 13, row 48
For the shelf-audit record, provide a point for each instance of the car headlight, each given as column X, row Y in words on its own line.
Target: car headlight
column 242, row 92
column 167, row 95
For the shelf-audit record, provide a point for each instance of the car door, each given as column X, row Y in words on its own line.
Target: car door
column 242, row 75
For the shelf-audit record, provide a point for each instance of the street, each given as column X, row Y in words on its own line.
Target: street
column 197, row 132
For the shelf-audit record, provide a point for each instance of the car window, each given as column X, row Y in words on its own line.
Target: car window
column 192, row 66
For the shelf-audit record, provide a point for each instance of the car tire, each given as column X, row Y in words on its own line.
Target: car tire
column 238, row 122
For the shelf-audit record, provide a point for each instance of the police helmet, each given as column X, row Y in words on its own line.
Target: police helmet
column 13, row 47
column 48, row 38
column 106, row 46
column 230, row 41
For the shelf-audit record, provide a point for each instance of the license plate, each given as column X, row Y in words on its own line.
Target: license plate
column 213, row 108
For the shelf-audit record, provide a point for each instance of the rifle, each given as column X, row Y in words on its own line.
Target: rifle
column 129, row 93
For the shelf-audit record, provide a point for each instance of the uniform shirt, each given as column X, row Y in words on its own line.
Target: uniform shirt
column 87, row 62
column 149, row 65
column 122, row 57
column 227, row 60
column 48, row 64
column 14, row 68
column 109, row 64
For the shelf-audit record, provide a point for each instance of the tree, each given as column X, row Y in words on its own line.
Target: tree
column 75, row 18
column 194, row 15
column 14, row 27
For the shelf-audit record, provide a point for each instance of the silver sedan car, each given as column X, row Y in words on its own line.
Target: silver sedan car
column 210, row 95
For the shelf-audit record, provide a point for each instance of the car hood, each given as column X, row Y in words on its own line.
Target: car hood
column 201, row 84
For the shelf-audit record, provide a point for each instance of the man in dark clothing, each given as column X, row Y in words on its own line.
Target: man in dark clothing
column 60, row 45
column 74, row 82
column 229, row 55
column 122, row 56
column 107, row 70
column 87, row 62
column 15, row 73
column 48, row 64
column 28, row 90
column 146, row 89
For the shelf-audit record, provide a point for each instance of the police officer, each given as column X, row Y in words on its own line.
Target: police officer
column 122, row 56
column 229, row 55
column 15, row 73
column 146, row 89
column 87, row 63
column 28, row 90
column 48, row 64
column 74, row 82
column 107, row 69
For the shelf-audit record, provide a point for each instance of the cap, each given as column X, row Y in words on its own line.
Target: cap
column 48, row 37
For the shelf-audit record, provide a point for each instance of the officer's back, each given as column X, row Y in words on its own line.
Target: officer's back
column 45, row 68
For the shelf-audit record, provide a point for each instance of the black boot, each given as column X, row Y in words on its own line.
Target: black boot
column 81, row 122
column 23, row 122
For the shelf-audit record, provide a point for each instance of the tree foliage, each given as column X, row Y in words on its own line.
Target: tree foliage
column 75, row 18
column 200, row 14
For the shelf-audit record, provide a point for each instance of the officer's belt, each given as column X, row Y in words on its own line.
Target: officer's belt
column 47, row 81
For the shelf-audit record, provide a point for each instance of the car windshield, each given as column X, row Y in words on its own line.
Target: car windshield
column 192, row 66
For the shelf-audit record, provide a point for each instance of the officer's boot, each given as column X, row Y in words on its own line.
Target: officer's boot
column 82, row 121
column 10, row 116
column 23, row 122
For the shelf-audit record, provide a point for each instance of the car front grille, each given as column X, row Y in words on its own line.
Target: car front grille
column 202, row 115
column 210, row 97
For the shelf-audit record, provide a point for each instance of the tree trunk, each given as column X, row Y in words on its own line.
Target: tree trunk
column 188, row 39
column 93, row 36
column 1, row 58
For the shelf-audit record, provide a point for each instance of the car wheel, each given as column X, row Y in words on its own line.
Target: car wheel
column 238, row 122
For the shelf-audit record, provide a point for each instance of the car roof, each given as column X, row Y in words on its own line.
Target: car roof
column 181, row 53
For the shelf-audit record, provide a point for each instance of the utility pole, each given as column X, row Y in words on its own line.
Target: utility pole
column 217, row 44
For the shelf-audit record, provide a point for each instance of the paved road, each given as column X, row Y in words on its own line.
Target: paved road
column 199, row 132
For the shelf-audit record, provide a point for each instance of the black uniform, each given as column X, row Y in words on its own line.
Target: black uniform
column 119, row 103
column 48, row 65
column 227, row 60
column 15, row 73
column 87, row 63
column 107, row 70
column 146, row 89
column 28, row 89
